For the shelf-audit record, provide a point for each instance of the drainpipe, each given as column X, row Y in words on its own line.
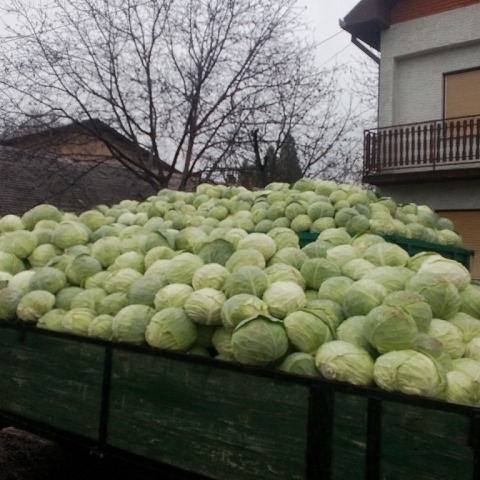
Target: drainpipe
column 364, row 49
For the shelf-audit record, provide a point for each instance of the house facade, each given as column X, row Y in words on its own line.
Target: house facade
column 426, row 148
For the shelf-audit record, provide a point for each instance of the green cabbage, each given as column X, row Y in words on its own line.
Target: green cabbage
column 240, row 307
column 130, row 323
column 35, row 304
column 283, row 298
column 203, row 306
column 345, row 362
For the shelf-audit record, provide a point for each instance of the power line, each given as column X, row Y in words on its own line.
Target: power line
column 333, row 56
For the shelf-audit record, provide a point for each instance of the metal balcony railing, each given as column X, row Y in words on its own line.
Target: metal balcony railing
column 425, row 146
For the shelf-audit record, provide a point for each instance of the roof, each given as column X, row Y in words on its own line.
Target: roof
column 31, row 179
column 95, row 127
column 368, row 19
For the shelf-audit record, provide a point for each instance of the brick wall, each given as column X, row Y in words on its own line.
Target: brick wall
column 410, row 9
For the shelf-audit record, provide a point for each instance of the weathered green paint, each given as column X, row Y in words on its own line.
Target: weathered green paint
column 423, row 444
column 349, row 437
column 222, row 424
column 52, row 380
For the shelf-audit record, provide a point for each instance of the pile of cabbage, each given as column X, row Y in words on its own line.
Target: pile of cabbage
column 220, row 273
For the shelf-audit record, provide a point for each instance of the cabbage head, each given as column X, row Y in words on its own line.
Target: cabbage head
column 469, row 326
column 112, row 304
column 19, row 243
column 82, row 267
column 260, row 242
column 182, row 268
column 35, row 304
column 386, row 254
column 441, row 294
column 49, row 279
column 362, row 297
column 414, row 304
column 203, row 306
column 10, row 263
column 334, row 288
column 222, row 341
column 43, row 254
column 283, row 298
column 259, row 341
column 390, row 328
column 246, row 257
column 171, row 329
column 281, row 272
column 470, row 300
column 290, row 256
column 121, row 281
column 410, row 372
column 130, row 323
column 173, row 295
column 77, row 321
column 300, row 363
column 462, row 388
column 248, row 279
column 472, row 349
column 11, row 223
column 449, row 335
column 316, row 270
column 101, row 327
column 143, row 290
column 88, row 299
column 392, row 278
column 9, row 300
column 451, row 270
column 306, row 331
column 357, row 268
column 240, row 307
column 345, row 362
column 52, row 320
column 469, row 366
column 40, row 212
column 106, row 250
column 211, row 275
column 352, row 330
column 68, row 234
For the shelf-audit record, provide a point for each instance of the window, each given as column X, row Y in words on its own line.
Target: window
column 462, row 94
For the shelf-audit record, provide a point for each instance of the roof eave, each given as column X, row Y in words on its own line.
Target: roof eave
column 367, row 20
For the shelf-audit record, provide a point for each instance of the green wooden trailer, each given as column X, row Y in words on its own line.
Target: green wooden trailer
column 217, row 420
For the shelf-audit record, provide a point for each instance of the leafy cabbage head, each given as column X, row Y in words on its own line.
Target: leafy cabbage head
column 173, row 295
column 441, row 294
column 414, row 304
column 171, row 329
column 259, row 341
column 240, row 307
column 390, row 328
column 283, row 298
column 411, row 372
column 300, row 363
column 248, row 279
column 35, row 304
column 334, row 288
column 183, row 267
column 290, row 256
column 386, row 254
column 260, row 242
column 316, row 270
column 306, row 331
column 462, row 388
column 211, row 275
column 203, row 306
column 449, row 335
column 130, row 323
column 363, row 296
column 345, row 362
column 453, row 271
column 9, row 300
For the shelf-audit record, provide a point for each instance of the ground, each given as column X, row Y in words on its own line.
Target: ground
column 24, row 456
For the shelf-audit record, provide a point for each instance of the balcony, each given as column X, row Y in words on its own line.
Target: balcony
column 434, row 150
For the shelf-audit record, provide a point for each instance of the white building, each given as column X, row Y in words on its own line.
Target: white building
column 426, row 148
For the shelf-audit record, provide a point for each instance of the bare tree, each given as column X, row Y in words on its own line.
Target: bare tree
column 185, row 81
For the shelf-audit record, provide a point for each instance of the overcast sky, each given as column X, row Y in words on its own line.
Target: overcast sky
column 322, row 17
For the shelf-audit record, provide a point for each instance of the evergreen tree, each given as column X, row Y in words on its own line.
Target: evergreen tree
column 288, row 166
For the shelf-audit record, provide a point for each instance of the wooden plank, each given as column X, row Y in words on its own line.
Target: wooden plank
column 51, row 380
column 349, row 437
column 206, row 420
column 423, row 444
